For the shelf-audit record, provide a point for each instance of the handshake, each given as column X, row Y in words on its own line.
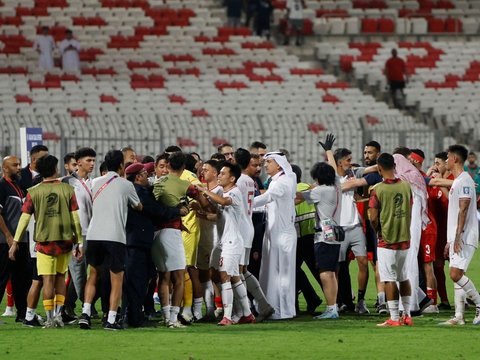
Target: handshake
column 329, row 140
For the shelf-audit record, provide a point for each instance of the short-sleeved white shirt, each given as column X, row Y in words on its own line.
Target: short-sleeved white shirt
column 327, row 204
column 83, row 193
column 349, row 216
column 110, row 208
column 246, row 185
column 463, row 187
column 296, row 9
column 231, row 240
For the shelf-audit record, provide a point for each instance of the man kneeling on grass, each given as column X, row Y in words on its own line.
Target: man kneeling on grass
column 57, row 228
column 390, row 215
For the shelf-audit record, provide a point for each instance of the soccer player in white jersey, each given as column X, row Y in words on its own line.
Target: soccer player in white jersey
column 208, row 237
column 462, row 234
column 246, row 185
column 231, row 243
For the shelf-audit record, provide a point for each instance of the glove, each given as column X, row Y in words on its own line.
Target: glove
column 329, row 140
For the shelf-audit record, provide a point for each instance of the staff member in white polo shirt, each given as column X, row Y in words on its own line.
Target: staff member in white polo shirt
column 112, row 194
column 82, row 183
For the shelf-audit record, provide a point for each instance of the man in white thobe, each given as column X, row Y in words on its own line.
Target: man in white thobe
column 277, row 272
column 44, row 45
column 70, row 48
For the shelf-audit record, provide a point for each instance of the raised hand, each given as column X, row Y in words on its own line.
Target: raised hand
column 329, row 140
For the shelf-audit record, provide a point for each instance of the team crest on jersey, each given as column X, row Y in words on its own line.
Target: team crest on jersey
column 466, row 190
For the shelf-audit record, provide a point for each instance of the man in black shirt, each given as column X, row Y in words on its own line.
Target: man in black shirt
column 11, row 200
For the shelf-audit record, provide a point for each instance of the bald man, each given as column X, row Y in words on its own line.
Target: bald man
column 11, row 200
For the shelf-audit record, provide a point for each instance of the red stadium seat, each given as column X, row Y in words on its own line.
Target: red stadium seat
column 453, row 25
column 108, row 99
column 369, row 25
column 200, row 113
column 177, row 99
column 216, row 141
column 436, row 25
column 386, row 25
column 79, row 113
column 23, row 99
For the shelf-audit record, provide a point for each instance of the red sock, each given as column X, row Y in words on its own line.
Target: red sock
column 432, row 294
column 218, row 302
column 9, row 291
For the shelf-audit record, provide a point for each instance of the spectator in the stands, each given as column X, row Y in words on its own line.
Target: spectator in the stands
column 396, row 73
column 70, row 49
column 44, row 46
column 264, row 17
column 234, row 12
column 294, row 21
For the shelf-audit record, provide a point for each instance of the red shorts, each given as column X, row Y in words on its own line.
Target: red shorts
column 427, row 247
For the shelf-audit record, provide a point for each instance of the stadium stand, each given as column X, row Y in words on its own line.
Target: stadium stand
column 161, row 72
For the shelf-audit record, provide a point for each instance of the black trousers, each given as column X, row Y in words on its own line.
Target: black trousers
column 138, row 273
column 257, row 244
column 305, row 254
column 20, row 273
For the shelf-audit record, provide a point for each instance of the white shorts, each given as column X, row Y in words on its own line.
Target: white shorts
column 168, row 253
column 392, row 264
column 463, row 258
column 245, row 260
column 230, row 264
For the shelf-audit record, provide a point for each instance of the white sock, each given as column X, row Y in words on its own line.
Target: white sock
column 58, row 309
column 166, row 312
column 393, row 307
column 112, row 315
column 469, row 287
column 30, row 315
column 253, row 287
column 381, row 298
column 332, row 308
column 174, row 310
column 241, row 292
column 460, row 296
column 406, row 304
column 208, row 295
column 87, row 309
column 227, row 299
column 197, row 307
column 187, row 310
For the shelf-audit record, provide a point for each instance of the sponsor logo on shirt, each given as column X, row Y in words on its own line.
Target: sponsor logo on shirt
column 466, row 190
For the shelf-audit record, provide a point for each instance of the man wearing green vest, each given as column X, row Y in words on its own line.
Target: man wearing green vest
column 305, row 226
column 57, row 229
column 390, row 215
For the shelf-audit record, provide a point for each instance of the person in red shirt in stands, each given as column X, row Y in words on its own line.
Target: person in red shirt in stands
column 396, row 73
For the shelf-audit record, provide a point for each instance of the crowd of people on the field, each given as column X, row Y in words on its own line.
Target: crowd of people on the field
column 224, row 240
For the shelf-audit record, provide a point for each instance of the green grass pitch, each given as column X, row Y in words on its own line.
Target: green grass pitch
column 350, row 337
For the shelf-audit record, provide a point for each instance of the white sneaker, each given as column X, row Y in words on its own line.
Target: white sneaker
column 9, row 311
column 58, row 321
column 432, row 309
column 218, row 312
column 453, row 322
column 175, row 325
column 329, row 314
column 476, row 319
column 361, row 308
column 50, row 324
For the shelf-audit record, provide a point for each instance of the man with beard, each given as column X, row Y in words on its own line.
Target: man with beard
column 11, row 200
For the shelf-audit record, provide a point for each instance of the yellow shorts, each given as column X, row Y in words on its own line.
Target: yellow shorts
column 190, row 243
column 52, row 265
